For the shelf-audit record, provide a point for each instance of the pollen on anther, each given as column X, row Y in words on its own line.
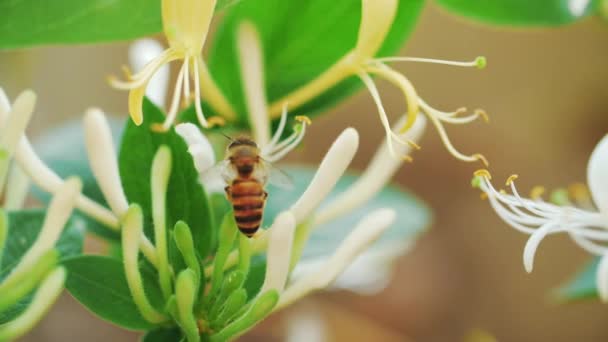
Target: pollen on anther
column 407, row 159
column 413, row 145
column 483, row 159
column 216, row 121
column 482, row 113
column 483, row 196
column 128, row 74
column 511, row 179
column 578, row 191
column 303, row 119
column 483, row 173
column 537, row 192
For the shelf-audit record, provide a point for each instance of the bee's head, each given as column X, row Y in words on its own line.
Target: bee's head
column 240, row 142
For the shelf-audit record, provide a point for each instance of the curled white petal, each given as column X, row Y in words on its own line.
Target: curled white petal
column 602, row 278
column 103, row 161
column 19, row 117
column 251, row 61
column 597, row 175
column 331, row 169
column 279, row 252
column 142, row 52
column 533, row 243
column 199, row 146
column 364, row 234
column 378, row 173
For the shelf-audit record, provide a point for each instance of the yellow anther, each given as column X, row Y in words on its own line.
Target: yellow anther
column 413, row 145
column 482, row 113
column 502, row 191
column 407, row 158
column 216, row 121
column 511, row 179
column 579, row 192
column 158, row 128
column 125, row 70
column 483, row 159
column 483, row 196
column 303, row 119
column 482, row 173
column 537, row 192
column 460, row 111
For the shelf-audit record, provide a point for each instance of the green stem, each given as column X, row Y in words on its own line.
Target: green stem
column 244, row 253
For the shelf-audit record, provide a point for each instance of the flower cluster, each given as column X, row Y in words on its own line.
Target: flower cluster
column 573, row 214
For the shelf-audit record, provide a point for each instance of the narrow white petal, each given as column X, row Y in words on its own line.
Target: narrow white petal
column 142, row 52
column 251, row 61
column 199, row 146
column 278, row 256
column 363, row 235
column 602, row 278
column 103, row 161
column 17, row 187
column 533, row 243
column 378, row 173
column 331, row 169
column 597, row 175
column 376, row 20
column 5, row 106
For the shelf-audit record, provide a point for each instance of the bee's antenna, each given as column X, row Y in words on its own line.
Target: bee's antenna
column 226, row 136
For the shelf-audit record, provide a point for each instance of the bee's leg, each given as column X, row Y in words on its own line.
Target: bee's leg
column 228, row 193
column 265, row 195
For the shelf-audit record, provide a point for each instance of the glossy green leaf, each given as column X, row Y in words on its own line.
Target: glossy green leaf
column 186, row 198
column 25, row 23
column 300, row 40
column 581, row 286
column 522, row 12
column 412, row 215
column 255, row 276
column 99, row 283
column 24, row 227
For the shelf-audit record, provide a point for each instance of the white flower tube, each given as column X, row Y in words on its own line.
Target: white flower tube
column 58, row 213
column 102, row 158
column 364, row 234
column 142, row 52
column 17, row 188
column 602, row 278
column 377, row 174
column 278, row 256
column 376, row 20
column 251, row 61
column 332, row 167
column 597, row 175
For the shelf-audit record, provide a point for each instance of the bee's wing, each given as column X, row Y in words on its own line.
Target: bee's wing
column 277, row 176
column 221, row 171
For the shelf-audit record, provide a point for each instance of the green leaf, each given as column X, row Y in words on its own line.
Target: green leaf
column 24, row 227
column 32, row 22
column 255, row 276
column 162, row 335
column 63, row 150
column 581, row 286
column 99, row 283
column 522, row 12
column 412, row 215
column 300, row 40
column 186, row 198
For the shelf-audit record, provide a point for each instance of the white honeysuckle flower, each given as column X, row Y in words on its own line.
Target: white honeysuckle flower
column 59, row 211
column 333, row 166
column 378, row 173
column 363, row 235
column 587, row 227
column 185, row 25
column 278, row 255
column 251, row 61
column 376, row 20
column 17, row 188
column 142, row 52
column 103, row 161
column 40, row 173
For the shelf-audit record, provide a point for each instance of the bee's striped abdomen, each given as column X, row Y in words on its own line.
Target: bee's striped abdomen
column 248, row 200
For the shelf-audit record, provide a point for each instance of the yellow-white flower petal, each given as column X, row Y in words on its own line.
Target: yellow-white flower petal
column 141, row 53
column 186, row 22
column 597, row 175
column 602, row 278
column 17, row 187
column 376, row 21
column 103, row 161
column 251, row 61
column 377, row 174
column 363, row 235
column 279, row 252
column 331, row 169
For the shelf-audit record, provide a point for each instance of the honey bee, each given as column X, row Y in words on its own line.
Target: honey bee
column 246, row 173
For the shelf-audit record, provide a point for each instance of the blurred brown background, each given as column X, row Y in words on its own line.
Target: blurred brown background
column 546, row 93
